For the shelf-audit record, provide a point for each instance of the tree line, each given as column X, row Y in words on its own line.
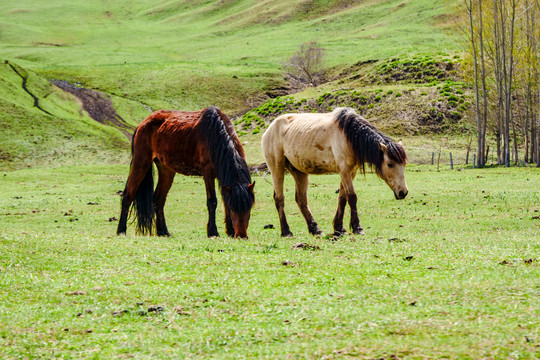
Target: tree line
column 503, row 38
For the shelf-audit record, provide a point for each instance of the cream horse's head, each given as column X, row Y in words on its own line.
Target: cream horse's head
column 392, row 169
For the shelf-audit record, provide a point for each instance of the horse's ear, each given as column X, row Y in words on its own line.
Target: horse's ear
column 383, row 147
column 251, row 187
column 400, row 142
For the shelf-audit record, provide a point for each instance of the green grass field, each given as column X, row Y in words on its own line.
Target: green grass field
column 450, row 272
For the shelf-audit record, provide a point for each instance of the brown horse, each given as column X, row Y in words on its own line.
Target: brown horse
column 201, row 143
column 338, row 142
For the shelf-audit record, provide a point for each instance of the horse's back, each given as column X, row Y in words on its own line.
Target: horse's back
column 171, row 137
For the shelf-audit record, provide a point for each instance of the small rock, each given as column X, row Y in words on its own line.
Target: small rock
column 305, row 246
column 77, row 292
column 155, row 308
column 119, row 312
column 180, row 311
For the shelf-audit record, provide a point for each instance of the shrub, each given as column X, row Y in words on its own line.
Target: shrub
column 307, row 67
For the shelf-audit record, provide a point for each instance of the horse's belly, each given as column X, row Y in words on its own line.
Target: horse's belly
column 316, row 162
column 187, row 170
column 180, row 166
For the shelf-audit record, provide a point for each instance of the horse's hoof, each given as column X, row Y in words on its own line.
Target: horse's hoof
column 317, row 232
column 339, row 232
column 359, row 232
column 121, row 233
column 289, row 234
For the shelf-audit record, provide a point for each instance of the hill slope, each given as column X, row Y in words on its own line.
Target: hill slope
column 189, row 55
column 42, row 124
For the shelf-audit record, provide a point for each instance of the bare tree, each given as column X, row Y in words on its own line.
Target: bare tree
column 481, row 114
column 306, row 67
column 503, row 46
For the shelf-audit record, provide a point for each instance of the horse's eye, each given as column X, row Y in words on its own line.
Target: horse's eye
column 390, row 165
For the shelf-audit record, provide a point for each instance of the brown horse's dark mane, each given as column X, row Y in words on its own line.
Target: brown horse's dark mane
column 365, row 138
column 227, row 156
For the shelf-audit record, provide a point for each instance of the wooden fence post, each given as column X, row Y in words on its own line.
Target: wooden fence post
column 451, row 162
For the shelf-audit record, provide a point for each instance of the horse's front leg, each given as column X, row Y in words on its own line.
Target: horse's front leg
column 338, row 218
column 347, row 182
column 228, row 223
column 211, row 203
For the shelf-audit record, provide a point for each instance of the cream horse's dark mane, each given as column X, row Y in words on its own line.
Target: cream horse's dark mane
column 365, row 139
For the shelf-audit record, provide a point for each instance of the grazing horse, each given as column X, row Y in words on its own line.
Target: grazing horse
column 201, row 143
column 338, row 142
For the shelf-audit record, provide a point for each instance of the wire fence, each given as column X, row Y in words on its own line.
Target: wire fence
column 452, row 158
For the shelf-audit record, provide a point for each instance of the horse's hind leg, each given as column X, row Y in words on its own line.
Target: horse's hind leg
column 139, row 169
column 302, row 181
column 165, row 180
column 278, row 174
column 124, row 213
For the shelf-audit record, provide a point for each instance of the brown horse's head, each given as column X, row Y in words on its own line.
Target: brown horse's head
column 392, row 168
column 238, row 201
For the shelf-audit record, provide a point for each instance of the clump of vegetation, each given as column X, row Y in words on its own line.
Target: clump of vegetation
column 418, row 69
column 437, row 115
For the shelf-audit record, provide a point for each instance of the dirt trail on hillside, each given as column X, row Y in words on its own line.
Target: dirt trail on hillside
column 98, row 105
column 25, row 88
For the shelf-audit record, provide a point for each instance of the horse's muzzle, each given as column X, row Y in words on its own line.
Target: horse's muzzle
column 401, row 195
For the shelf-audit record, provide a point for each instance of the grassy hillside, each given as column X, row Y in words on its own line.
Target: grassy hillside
column 53, row 131
column 188, row 55
column 414, row 95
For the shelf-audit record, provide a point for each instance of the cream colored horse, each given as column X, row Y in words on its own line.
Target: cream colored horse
column 338, row 142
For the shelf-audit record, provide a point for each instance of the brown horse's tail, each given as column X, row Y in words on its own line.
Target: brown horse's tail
column 143, row 203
